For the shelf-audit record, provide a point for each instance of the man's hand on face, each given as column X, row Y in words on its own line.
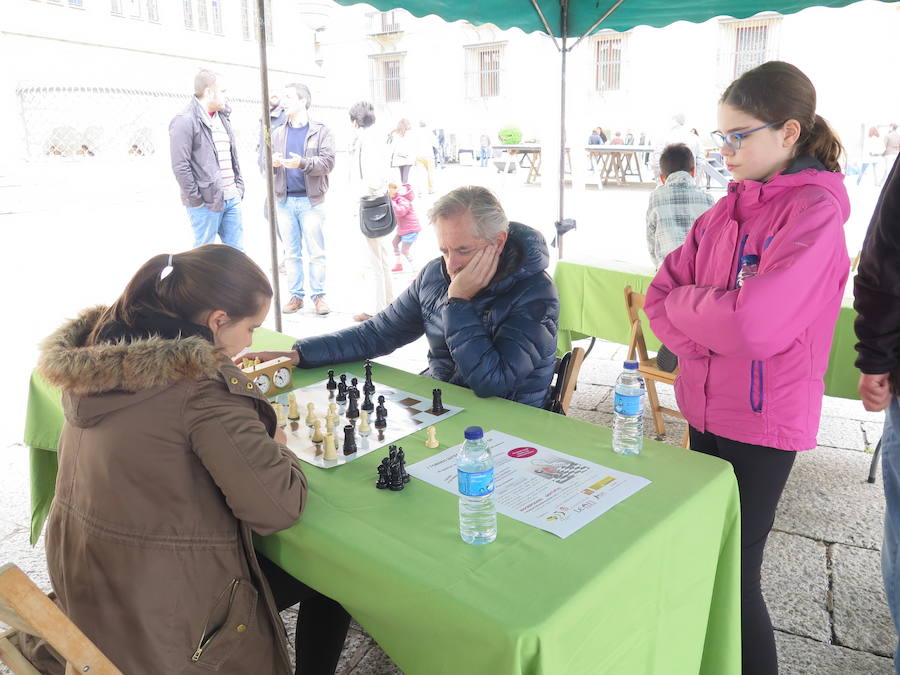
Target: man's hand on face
column 476, row 275
column 875, row 391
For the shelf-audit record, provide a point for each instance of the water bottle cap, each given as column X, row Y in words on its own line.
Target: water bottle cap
column 749, row 259
column 631, row 365
column 473, row 433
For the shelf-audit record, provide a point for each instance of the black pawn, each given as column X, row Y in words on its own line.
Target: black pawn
column 437, row 406
column 369, row 387
column 382, row 475
column 381, row 409
column 354, row 386
column 349, row 440
column 353, row 406
column 332, row 385
column 342, row 390
column 380, row 421
column 367, row 404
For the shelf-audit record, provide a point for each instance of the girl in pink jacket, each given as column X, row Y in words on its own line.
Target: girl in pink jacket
column 753, row 351
column 408, row 227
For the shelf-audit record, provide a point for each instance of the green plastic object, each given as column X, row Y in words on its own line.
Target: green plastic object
column 510, row 135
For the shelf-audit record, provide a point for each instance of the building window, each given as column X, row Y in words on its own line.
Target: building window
column 390, row 21
column 217, row 17
column 152, row 11
column 483, row 69
column 608, row 49
column 387, row 78
column 202, row 16
column 249, row 20
column 188, row 13
column 747, row 44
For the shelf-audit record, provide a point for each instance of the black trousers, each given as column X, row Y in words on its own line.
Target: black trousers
column 322, row 623
column 761, row 474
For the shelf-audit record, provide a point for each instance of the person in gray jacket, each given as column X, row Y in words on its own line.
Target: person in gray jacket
column 302, row 156
column 205, row 164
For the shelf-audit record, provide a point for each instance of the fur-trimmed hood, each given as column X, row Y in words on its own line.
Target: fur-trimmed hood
column 124, row 372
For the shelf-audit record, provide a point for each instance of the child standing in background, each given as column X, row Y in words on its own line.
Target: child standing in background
column 408, row 227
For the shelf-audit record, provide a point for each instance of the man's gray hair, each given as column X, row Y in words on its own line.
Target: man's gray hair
column 490, row 219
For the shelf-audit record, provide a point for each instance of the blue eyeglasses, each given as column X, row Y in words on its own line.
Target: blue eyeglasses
column 733, row 140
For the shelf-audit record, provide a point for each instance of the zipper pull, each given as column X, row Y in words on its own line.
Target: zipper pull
column 196, row 656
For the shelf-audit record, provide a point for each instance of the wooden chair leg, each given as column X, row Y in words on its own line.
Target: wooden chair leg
column 658, row 421
column 12, row 657
column 687, row 438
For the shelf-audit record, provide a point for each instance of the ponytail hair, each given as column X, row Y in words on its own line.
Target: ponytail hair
column 776, row 92
column 203, row 279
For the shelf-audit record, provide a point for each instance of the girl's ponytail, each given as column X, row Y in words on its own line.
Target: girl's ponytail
column 822, row 143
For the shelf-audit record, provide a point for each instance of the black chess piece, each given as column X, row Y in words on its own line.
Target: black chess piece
column 353, row 407
column 367, row 404
column 382, row 475
column 392, row 454
column 332, row 385
column 401, row 461
column 437, row 406
column 349, row 440
column 381, row 409
column 354, row 385
column 369, row 387
column 395, row 478
column 380, row 421
column 342, row 389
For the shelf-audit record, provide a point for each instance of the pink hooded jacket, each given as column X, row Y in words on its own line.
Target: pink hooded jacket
column 407, row 220
column 752, row 359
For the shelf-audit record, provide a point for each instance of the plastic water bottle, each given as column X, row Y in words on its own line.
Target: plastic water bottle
column 749, row 268
column 628, row 428
column 475, row 476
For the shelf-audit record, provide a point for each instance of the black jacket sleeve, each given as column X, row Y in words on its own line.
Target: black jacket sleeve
column 876, row 287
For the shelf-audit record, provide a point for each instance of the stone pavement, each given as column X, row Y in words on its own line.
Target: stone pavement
column 821, row 576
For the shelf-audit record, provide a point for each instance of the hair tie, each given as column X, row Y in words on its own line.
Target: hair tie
column 167, row 270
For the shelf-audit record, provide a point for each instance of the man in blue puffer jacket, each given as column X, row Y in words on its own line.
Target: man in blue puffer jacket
column 487, row 307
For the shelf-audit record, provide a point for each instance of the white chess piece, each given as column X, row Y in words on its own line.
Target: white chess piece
column 310, row 414
column 431, row 441
column 293, row 411
column 364, row 427
column 279, row 414
column 317, row 436
column 330, row 447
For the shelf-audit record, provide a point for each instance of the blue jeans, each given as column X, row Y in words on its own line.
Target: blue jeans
column 227, row 224
column 483, row 156
column 890, row 555
column 302, row 225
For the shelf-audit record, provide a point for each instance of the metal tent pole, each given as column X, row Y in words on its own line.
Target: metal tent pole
column 564, row 27
column 267, row 143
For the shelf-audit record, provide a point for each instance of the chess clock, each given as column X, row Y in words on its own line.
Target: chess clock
column 272, row 377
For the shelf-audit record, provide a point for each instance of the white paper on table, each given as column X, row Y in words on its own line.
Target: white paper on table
column 538, row 486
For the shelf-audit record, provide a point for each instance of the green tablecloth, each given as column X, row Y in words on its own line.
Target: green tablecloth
column 592, row 304
column 651, row 586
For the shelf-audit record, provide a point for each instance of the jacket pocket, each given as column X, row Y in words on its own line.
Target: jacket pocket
column 207, row 191
column 229, row 620
column 756, row 386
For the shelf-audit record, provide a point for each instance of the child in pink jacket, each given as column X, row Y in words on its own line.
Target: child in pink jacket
column 408, row 227
column 752, row 353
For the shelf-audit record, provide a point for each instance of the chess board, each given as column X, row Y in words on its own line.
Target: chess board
column 406, row 414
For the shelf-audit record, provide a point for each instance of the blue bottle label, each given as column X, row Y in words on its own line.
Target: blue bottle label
column 478, row 484
column 628, row 405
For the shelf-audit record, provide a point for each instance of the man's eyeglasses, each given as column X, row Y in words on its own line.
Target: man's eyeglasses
column 733, row 140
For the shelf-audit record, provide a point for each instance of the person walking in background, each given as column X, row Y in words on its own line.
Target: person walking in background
column 674, row 205
column 303, row 157
column 425, row 142
column 368, row 178
column 205, row 164
column 876, row 291
column 402, row 149
column 873, row 151
column 753, row 340
column 485, row 150
column 408, row 227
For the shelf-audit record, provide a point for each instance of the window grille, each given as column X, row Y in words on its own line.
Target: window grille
column 387, row 78
column 608, row 48
column 483, row 70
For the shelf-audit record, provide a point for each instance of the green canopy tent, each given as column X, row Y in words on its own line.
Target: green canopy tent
column 572, row 19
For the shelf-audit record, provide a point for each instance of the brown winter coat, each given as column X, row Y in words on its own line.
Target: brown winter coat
column 166, row 464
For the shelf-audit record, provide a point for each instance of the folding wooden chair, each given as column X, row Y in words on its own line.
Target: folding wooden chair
column 25, row 607
column 566, row 381
column 647, row 367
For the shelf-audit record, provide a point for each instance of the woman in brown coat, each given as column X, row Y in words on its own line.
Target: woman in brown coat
column 170, row 456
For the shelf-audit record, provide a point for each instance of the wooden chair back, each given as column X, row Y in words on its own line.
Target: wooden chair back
column 566, row 381
column 28, row 610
